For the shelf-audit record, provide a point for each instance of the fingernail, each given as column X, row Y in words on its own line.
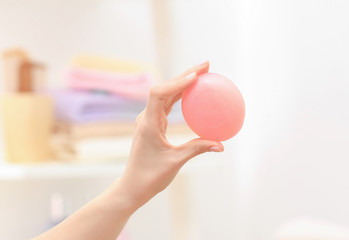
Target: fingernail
column 215, row 149
column 190, row 76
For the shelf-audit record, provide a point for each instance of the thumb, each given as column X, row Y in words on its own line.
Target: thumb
column 198, row 146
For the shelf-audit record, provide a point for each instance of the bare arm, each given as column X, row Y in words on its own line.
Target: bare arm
column 152, row 165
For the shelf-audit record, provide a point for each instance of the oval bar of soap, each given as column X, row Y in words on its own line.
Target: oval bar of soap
column 213, row 107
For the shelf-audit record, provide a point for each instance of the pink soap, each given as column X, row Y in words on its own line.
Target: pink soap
column 213, row 107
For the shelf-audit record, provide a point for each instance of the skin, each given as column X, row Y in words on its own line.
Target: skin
column 152, row 165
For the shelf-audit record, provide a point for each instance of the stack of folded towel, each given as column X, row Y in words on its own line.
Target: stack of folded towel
column 95, row 115
column 91, row 114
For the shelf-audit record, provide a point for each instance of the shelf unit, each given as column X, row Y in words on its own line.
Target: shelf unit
column 59, row 170
column 80, row 170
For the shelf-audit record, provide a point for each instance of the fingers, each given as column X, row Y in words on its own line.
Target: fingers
column 198, row 69
column 198, row 146
column 204, row 68
column 161, row 96
column 171, row 90
column 175, row 86
column 184, row 80
column 172, row 102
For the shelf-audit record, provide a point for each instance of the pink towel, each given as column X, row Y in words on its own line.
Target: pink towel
column 132, row 86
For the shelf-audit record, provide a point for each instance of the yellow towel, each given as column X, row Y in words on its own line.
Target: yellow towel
column 110, row 64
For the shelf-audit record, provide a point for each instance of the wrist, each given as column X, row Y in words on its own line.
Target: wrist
column 124, row 195
column 120, row 199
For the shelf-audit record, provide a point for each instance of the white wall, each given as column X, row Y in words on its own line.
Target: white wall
column 207, row 30
column 53, row 31
column 293, row 152
column 204, row 30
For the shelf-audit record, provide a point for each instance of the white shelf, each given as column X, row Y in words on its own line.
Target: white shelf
column 59, row 170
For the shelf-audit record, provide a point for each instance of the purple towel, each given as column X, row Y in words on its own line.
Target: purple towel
column 80, row 107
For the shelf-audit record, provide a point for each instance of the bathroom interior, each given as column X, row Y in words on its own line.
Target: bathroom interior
column 284, row 176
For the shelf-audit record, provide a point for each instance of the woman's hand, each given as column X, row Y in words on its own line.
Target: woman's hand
column 153, row 161
column 152, row 165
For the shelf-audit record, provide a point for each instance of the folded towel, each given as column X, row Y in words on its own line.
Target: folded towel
column 78, row 131
column 103, row 149
column 77, row 106
column 111, row 64
column 107, row 148
column 133, row 86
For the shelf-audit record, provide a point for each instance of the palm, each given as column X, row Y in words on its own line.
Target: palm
column 153, row 161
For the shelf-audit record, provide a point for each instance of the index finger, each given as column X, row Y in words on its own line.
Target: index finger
column 198, row 69
column 184, row 80
column 159, row 94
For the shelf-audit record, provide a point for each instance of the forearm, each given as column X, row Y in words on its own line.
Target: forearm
column 152, row 165
column 102, row 218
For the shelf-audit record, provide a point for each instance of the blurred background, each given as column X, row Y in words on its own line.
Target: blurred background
column 75, row 74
